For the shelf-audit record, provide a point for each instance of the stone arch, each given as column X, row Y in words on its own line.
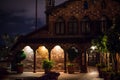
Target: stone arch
column 76, row 60
column 41, row 54
column 28, row 62
column 57, row 55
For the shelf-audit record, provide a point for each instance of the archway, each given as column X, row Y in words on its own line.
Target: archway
column 57, row 55
column 28, row 62
column 41, row 54
column 92, row 56
column 73, row 57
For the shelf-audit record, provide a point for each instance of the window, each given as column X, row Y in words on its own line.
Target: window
column 85, row 5
column 103, row 4
column 96, row 26
column 72, row 25
column 60, row 26
column 103, row 24
column 85, row 25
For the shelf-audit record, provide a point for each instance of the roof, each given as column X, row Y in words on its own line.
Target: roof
column 64, row 4
column 59, row 6
column 42, row 29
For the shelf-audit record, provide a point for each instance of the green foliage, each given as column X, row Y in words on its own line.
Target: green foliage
column 70, row 64
column 20, row 56
column 72, row 54
column 101, row 43
column 19, row 64
column 100, row 65
column 113, row 41
column 47, row 64
column 114, row 37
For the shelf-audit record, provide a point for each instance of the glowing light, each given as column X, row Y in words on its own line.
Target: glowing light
column 57, row 53
column 42, row 52
column 29, row 52
column 57, row 49
column 76, row 50
column 93, row 47
column 93, row 73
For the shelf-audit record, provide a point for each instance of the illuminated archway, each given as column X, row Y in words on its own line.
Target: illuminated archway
column 28, row 62
column 57, row 55
column 41, row 54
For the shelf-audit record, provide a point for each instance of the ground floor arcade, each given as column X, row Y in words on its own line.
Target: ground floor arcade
column 56, row 50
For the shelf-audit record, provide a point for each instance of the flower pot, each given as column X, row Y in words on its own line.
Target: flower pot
column 20, row 68
column 47, row 71
column 71, row 69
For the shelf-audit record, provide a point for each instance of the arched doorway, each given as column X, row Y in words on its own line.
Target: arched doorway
column 73, row 57
column 57, row 55
column 28, row 62
column 41, row 54
column 93, row 56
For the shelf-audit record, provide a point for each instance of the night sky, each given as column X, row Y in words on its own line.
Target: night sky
column 18, row 16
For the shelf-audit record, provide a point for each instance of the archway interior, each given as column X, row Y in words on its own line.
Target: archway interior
column 41, row 54
column 57, row 55
column 28, row 62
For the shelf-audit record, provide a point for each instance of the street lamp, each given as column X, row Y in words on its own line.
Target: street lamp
column 35, row 29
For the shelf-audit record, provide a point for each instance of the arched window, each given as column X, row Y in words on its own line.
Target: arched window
column 60, row 26
column 103, row 4
column 103, row 24
column 85, row 5
column 85, row 25
column 72, row 25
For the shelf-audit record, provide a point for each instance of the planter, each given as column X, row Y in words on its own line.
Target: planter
column 47, row 65
column 71, row 69
column 107, row 76
column 47, row 71
column 20, row 68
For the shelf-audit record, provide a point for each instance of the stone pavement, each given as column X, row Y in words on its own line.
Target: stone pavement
column 91, row 75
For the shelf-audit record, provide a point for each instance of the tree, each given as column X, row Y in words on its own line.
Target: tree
column 101, row 45
column 8, row 42
column 113, row 43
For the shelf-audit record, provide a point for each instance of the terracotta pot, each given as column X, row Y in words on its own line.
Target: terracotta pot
column 47, row 71
column 20, row 68
column 71, row 69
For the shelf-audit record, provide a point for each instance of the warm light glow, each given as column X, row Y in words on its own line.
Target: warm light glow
column 93, row 47
column 42, row 52
column 57, row 52
column 29, row 52
column 57, row 49
column 93, row 73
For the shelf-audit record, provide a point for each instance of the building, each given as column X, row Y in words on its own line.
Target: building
column 73, row 23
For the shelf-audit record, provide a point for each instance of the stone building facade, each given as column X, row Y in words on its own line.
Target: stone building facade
column 73, row 23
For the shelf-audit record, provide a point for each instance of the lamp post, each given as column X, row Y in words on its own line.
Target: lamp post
column 36, row 14
column 34, row 70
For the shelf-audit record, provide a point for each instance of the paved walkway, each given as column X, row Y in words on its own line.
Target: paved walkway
column 91, row 75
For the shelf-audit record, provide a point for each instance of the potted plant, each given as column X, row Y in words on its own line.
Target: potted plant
column 47, row 65
column 19, row 58
column 107, row 73
column 72, row 54
column 70, row 68
column 100, row 67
